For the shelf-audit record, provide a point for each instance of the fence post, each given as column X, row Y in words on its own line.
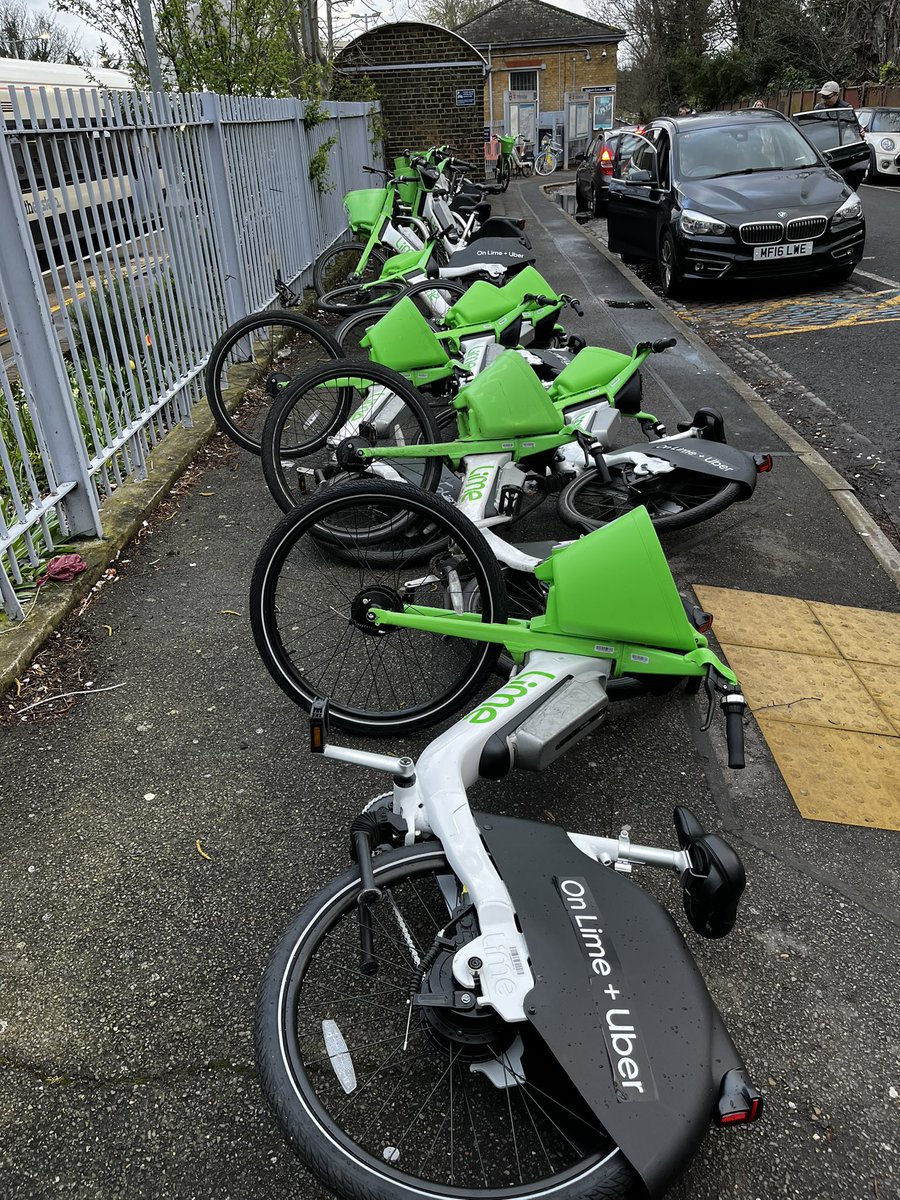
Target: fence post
column 220, row 198
column 39, row 357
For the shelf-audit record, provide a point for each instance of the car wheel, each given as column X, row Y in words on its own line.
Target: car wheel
column 669, row 275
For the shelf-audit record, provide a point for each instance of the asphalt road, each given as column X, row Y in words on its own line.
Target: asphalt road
column 825, row 356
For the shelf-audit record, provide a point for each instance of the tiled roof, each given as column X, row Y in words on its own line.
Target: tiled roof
column 530, row 22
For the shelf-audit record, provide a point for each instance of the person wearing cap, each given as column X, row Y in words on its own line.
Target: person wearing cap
column 830, row 93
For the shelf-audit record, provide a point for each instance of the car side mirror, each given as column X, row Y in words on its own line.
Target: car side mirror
column 579, row 158
column 638, row 177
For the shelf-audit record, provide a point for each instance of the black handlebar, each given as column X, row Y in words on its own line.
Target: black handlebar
column 543, row 300
column 735, row 706
column 376, row 171
column 666, row 344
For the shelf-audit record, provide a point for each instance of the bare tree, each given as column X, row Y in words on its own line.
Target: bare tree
column 35, row 35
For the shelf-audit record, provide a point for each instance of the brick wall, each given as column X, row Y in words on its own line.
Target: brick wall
column 560, row 75
column 419, row 105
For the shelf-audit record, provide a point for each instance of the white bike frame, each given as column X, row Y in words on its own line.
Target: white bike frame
column 549, row 686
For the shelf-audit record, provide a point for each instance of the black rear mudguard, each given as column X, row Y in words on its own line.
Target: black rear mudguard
column 707, row 458
column 617, row 1000
column 500, row 227
column 512, row 253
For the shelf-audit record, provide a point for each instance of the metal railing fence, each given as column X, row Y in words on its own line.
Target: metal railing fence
column 136, row 227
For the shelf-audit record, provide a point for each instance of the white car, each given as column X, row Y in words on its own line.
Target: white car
column 881, row 127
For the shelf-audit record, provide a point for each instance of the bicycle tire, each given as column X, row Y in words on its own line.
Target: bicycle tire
column 265, row 352
column 315, row 382
column 579, row 508
column 504, row 174
column 324, row 267
column 283, row 585
column 451, row 288
column 545, row 163
column 287, row 1033
column 354, row 297
column 353, row 328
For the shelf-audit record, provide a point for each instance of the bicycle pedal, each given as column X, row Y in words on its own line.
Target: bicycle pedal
column 510, row 500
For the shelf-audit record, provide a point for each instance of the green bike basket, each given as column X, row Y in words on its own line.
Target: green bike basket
column 403, row 340
column 615, row 584
column 364, row 207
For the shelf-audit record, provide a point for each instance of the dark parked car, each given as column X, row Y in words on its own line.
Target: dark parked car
column 881, row 127
column 593, row 171
column 838, row 135
column 739, row 195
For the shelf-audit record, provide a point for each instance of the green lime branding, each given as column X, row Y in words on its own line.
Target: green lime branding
column 508, row 696
column 476, row 481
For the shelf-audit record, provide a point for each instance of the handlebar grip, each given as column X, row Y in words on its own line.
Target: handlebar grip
column 734, row 736
column 463, row 166
column 666, row 344
column 579, row 311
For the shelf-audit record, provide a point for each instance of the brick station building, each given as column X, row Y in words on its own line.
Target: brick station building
column 430, row 82
column 541, row 60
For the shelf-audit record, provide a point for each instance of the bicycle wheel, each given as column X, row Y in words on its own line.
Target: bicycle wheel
column 545, row 162
column 674, row 501
column 338, row 265
column 253, row 360
column 355, row 297
column 354, row 398
column 310, row 607
column 503, row 174
column 432, row 297
column 377, row 1114
column 351, row 331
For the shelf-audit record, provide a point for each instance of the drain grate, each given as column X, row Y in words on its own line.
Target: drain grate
column 627, row 303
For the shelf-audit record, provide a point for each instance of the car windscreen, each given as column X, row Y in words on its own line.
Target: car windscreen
column 713, row 151
column 886, row 121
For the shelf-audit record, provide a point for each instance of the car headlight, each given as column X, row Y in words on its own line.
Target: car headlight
column 850, row 210
column 698, row 222
column 887, row 143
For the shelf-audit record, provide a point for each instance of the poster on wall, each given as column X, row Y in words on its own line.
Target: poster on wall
column 604, row 103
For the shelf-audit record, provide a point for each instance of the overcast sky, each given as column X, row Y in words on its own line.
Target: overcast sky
column 90, row 38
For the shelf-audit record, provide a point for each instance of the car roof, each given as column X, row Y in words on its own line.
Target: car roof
column 712, row 120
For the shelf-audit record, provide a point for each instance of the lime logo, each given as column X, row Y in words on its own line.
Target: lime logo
column 374, row 397
column 507, row 696
column 476, row 481
column 472, row 358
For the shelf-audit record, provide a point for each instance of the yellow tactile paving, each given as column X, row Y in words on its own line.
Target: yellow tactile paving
column 823, row 681
column 881, row 684
column 774, row 622
column 806, row 690
column 862, row 633
column 847, row 778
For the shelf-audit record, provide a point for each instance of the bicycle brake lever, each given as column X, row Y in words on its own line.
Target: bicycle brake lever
column 709, row 684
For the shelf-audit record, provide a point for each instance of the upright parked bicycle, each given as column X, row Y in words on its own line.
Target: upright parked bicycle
column 549, row 156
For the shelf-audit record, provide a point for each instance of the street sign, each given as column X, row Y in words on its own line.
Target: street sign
column 465, row 97
column 607, row 87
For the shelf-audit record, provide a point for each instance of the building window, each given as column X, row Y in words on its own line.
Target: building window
column 523, row 81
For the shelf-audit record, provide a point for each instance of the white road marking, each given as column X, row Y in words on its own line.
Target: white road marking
column 878, row 278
